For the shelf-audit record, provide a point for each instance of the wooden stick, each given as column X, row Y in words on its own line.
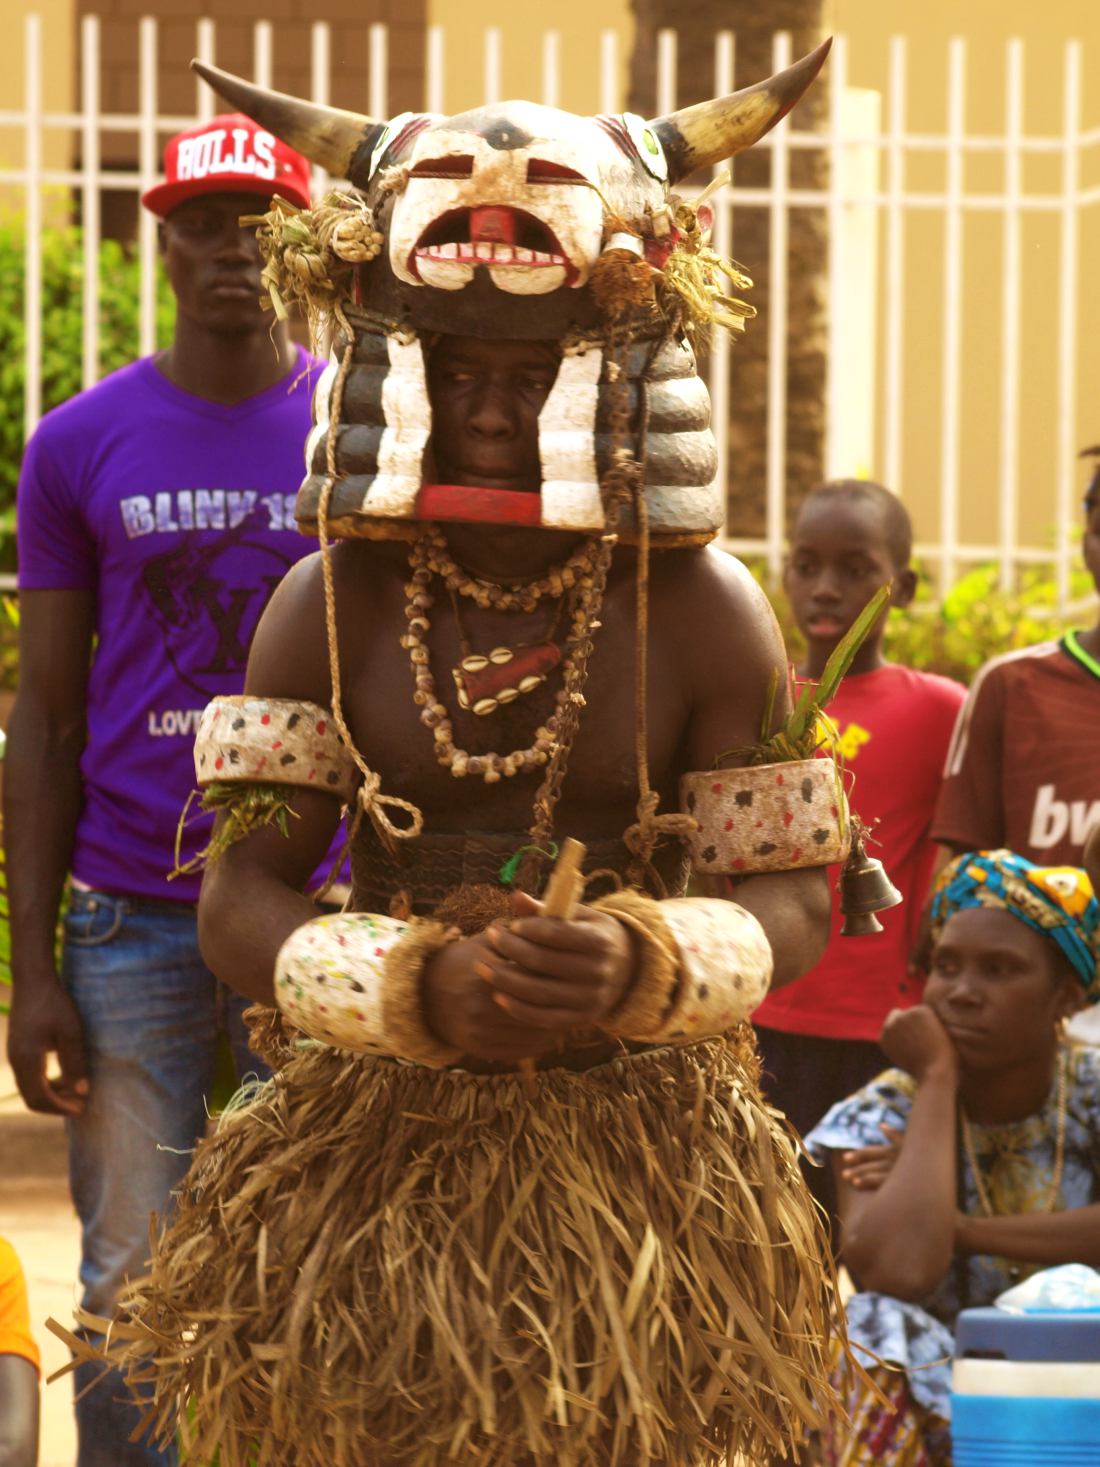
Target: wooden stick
column 563, row 891
column 564, row 886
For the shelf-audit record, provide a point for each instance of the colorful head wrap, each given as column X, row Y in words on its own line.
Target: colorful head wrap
column 1056, row 901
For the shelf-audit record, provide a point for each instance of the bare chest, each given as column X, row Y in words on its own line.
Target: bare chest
column 600, row 788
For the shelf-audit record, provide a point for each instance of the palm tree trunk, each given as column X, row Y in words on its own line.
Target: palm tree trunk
column 753, row 25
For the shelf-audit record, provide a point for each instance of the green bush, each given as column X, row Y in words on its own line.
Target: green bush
column 974, row 622
column 62, row 335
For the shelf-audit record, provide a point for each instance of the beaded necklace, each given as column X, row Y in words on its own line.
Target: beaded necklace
column 1059, row 1148
column 435, row 555
column 426, row 560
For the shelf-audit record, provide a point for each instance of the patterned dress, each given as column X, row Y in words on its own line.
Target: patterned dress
column 1016, row 1162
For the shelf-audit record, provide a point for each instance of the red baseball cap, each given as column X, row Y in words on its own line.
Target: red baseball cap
column 227, row 155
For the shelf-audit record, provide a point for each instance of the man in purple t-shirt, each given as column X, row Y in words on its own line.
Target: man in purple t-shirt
column 155, row 519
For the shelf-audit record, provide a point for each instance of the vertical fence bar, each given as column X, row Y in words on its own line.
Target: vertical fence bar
column 835, row 351
column 263, row 53
column 1009, row 478
column 32, row 241
column 894, row 335
column 89, row 194
column 609, row 72
column 952, row 313
column 378, row 102
column 205, row 98
column 666, row 71
column 434, row 68
column 1067, row 316
column 147, row 164
column 492, row 64
column 320, row 50
column 779, row 220
column 723, row 241
column 551, row 68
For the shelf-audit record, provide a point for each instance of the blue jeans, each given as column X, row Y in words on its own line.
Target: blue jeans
column 151, row 1012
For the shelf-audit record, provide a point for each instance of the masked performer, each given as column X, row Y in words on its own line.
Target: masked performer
column 512, row 1196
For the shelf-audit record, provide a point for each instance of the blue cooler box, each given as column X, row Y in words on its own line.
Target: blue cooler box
column 1025, row 1389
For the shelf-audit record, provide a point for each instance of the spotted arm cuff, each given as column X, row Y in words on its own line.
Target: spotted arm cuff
column 352, row 980
column 283, row 741
column 766, row 817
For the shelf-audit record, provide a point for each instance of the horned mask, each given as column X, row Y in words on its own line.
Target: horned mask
column 500, row 222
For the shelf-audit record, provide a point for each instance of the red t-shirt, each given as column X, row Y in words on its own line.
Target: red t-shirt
column 894, row 726
column 1024, row 765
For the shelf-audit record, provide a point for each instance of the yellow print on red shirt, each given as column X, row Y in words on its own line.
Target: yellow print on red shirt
column 846, row 742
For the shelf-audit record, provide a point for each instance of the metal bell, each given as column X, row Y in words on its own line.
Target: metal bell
column 864, row 889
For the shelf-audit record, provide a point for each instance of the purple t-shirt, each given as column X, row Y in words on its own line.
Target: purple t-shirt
column 178, row 513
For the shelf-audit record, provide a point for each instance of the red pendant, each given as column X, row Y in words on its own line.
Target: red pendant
column 485, row 683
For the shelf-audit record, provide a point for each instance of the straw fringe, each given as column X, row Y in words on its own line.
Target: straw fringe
column 379, row 1265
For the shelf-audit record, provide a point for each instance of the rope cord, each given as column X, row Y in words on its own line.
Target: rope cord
column 369, row 799
column 642, row 837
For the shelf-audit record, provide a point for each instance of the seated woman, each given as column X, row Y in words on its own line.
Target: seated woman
column 991, row 1122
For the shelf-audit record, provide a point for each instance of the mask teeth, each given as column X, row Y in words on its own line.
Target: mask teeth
column 483, row 253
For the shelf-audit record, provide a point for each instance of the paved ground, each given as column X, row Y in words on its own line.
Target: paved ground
column 37, row 1216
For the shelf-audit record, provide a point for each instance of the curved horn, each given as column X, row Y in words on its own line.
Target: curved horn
column 326, row 136
column 710, row 132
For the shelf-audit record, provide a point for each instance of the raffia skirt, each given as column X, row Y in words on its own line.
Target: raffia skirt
column 374, row 1264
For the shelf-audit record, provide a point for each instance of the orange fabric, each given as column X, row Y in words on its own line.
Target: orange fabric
column 15, row 1323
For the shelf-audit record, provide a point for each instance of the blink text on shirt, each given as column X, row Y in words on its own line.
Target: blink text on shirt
column 172, row 510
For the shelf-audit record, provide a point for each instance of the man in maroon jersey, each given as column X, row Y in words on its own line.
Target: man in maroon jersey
column 1022, row 768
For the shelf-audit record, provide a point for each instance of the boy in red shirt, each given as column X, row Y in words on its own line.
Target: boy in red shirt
column 1023, row 771
column 818, row 1036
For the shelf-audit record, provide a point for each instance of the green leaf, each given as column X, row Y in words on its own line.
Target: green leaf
column 800, row 736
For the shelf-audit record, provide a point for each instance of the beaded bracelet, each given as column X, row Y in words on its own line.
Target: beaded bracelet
column 705, row 965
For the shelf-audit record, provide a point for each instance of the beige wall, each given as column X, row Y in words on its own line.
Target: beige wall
column 868, row 24
column 578, row 23
column 987, row 25
column 57, row 83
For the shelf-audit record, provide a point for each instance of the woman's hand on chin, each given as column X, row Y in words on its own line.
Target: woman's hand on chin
column 915, row 1040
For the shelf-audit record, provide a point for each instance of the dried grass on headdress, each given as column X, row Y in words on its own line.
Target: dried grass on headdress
column 310, row 254
column 380, row 1263
column 690, row 291
column 622, row 284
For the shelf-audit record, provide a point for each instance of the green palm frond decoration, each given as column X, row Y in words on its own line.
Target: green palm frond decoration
column 805, row 725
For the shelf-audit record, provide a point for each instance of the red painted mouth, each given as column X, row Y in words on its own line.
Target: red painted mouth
column 493, row 234
column 466, row 503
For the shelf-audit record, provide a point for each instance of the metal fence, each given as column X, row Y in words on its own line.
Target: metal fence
column 887, row 414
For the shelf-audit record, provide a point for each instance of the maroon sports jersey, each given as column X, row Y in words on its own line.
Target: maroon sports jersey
column 1023, row 770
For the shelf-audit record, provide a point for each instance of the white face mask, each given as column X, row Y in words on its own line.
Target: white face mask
column 525, row 193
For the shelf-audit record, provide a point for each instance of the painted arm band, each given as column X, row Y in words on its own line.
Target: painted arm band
column 280, row 741
column 766, row 817
column 705, row 964
column 352, row 980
